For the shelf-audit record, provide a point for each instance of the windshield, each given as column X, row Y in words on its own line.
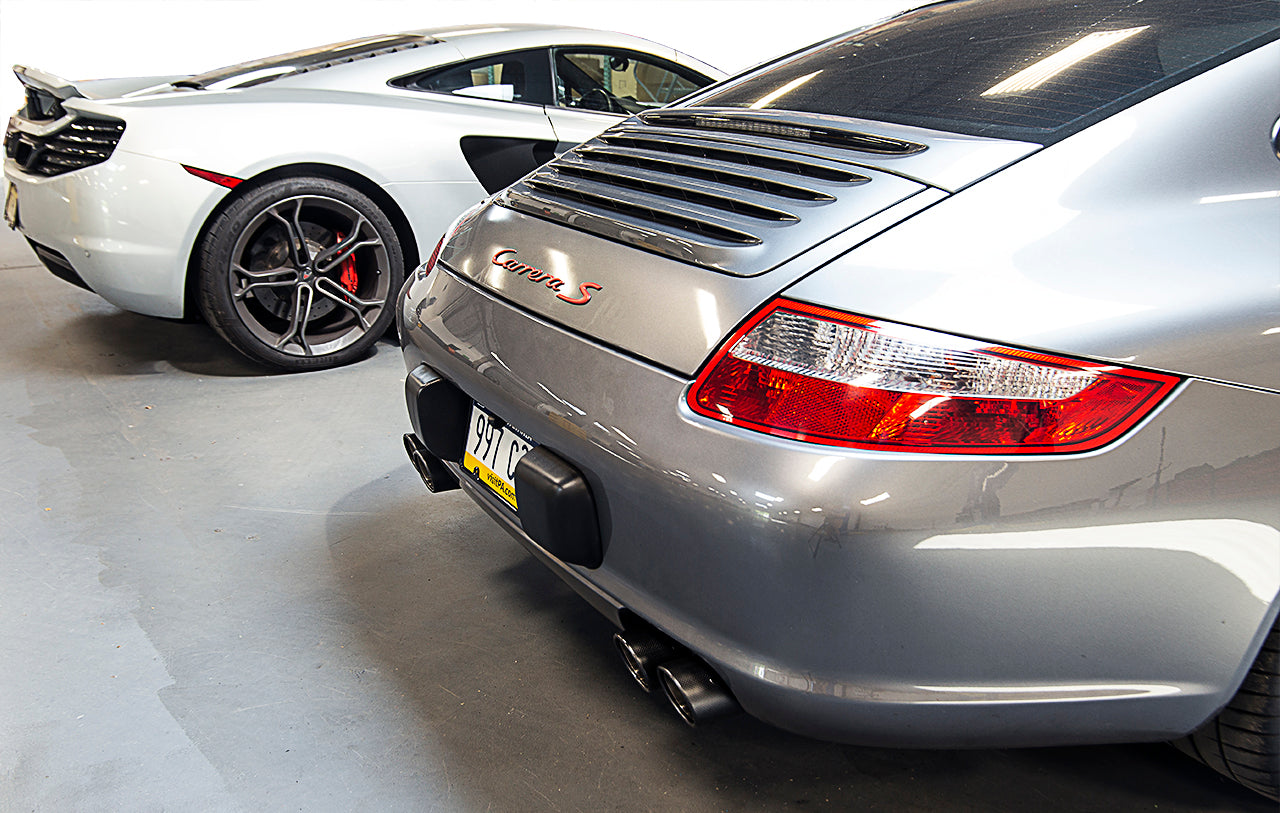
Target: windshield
column 1032, row 70
column 258, row 71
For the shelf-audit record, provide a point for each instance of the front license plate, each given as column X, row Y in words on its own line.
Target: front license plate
column 11, row 207
column 494, row 447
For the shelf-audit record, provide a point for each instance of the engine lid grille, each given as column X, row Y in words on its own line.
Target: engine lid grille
column 734, row 194
column 811, row 130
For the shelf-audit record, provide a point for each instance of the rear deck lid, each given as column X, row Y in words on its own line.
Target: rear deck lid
column 660, row 235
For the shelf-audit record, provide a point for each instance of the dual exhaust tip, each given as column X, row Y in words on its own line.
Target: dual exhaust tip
column 692, row 687
column 435, row 475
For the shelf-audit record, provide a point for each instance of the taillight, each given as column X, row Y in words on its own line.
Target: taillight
column 824, row 376
column 460, row 222
column 424, row 270
column 229, row 181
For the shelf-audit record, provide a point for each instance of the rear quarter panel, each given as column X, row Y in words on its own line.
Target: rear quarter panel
column 1152, row 237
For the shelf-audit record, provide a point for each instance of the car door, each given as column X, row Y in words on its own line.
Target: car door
column 598, row 87
column 514, row 136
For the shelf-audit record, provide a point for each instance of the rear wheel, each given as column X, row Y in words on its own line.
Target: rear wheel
column 301, row 273
column 1243, row 741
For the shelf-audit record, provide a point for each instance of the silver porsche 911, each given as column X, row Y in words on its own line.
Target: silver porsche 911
column 919, row 388
column 284, row 198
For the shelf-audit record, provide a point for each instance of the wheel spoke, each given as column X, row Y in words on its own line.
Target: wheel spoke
column 270, row 278
column 353, row 234
column 329, row 266
column 334, row 255
column 243, row 292
column 263, row 275
column 298, row 251
column 348, row 300
column 303, row 252
column 302, row 300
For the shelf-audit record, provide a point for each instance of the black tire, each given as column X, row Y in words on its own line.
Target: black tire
column 301, row 273
column 1243, row 741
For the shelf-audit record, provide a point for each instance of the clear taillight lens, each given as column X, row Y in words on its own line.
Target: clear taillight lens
column 824, row 376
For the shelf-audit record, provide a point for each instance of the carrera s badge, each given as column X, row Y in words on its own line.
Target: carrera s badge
column 506, row 259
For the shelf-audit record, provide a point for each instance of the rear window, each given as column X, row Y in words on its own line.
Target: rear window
column 258, row 71
column 1029, row 70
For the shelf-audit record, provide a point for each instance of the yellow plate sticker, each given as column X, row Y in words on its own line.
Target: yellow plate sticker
column 489, row 477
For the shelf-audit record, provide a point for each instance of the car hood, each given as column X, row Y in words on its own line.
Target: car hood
column 704, row 217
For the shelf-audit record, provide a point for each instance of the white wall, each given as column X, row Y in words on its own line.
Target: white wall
column 85, row 39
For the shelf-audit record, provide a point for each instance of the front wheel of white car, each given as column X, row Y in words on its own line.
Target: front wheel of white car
column 301, row 273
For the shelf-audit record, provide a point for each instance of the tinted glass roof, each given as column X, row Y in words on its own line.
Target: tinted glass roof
column 1031, row 70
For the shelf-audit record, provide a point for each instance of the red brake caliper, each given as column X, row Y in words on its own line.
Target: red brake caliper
column 348, row 276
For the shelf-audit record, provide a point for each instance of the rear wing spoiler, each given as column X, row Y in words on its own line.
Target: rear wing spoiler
column 45, row 94
column 42, row 82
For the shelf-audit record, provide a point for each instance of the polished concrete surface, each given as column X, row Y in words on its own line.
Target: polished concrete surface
column 227, row 590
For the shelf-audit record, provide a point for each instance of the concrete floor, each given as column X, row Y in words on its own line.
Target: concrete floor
column 226, row 590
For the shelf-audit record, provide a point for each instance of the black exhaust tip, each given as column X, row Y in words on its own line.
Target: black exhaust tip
column 695, row 691
column 434, row 473
column 642, row 652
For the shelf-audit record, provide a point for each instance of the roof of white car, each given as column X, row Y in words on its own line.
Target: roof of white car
column 377, row 54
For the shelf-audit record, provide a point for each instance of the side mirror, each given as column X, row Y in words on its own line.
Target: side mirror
column 499, row 93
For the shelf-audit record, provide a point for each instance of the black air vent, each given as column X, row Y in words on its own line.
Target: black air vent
column 42, row 106
column 657, row 215
column 638, row 153
column 83, row 142
column 740, row 155
column 676, row 192
column 730, row 201
column 791, row 130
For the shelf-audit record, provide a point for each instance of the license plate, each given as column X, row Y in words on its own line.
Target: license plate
column 494, row 447
column 11, row 207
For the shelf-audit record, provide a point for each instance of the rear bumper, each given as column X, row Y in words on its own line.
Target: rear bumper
column 126, row 227
column 894, row 599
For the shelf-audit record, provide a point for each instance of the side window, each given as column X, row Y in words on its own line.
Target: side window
column 519, row 76
column 620, row 81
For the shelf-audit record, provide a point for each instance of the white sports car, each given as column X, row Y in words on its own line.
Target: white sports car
column 283, row 198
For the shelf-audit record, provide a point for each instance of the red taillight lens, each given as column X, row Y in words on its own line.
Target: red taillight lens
column 824, row 376
column 425, row 268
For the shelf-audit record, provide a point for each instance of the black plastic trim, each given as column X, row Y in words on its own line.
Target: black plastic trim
column 438, row 411
column 499, row 162
column 58, row 265
column 557, row 510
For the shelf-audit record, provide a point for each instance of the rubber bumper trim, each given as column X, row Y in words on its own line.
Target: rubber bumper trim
column 438, row 411
column 557, row 510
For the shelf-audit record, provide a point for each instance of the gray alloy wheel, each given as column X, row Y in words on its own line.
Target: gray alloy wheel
column 301, row 274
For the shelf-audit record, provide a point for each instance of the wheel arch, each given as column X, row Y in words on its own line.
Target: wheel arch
column 404, row 231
